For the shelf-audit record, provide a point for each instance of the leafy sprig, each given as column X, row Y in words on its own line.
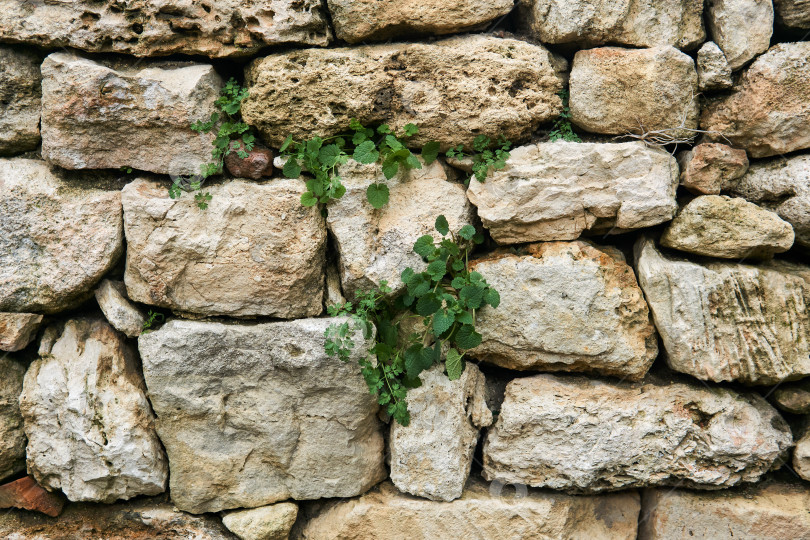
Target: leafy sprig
column 320, row 157
column 485, row 154
column 563, row 130
column 445, row 297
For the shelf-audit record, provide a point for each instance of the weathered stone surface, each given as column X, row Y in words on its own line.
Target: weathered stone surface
column 12, row 436
column 793, row 13
column 713, row 70
column 617, row 91
column 781, row 185
column 801, row 457
column 20, row 96
column 710, row 168
column 728, row 228
column 723, row 321
column 587, row 435
column 58, row 236
column 265, row 523
column 17, row 330
column 119, row 311
column 144, row 519
column 630, row 22
column 257, row 164
column 556, row 191
column 769, row 109
column 363, row 20
column 89, row 425
column 26, row 494
column 254, row 251
column 216, row 29
column 376, row 245
column 566, row 306
column 770, row 511
column 261, row 414
column 98, row 115
column 741, row 28
column 512, row 89
column 482, row 513
column 793, row 397
column 431, row 457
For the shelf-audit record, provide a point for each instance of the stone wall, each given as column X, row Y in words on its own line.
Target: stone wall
column 646, row 374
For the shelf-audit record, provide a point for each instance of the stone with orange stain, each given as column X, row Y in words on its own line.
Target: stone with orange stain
column 17, row 330
column 709, row 168
column 26, row 494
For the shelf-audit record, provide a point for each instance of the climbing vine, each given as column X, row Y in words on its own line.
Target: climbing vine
column 444, row 297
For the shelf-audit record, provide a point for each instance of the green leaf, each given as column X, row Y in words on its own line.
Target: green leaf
column 430, row 151
column 442, row 226
column 292, row 169
column 377, row 195
column 308, row 199
column 428, row 305
column 410, row 130
column 458, row 282
column 473, row 295
column 437, row 269
column 467, row 337
column 328, row 155
column 418, row 285
column 453, row 364
column 383, row 128
column 366, row 152
column 467, row 232
column 411, row 162
column 424, row 246
column 492, row 297
column 442, row 321
column 390, row 168
column 464, row 317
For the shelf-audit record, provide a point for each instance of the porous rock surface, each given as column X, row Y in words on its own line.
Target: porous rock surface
column 801, row 457
column 793, row 397
column 376, row 245
column 20, row 100
column 98, row 115
column 216, row 29
column 432, row 455
column 565, row 306
column 119, row 311
column 556, row 191
column 483, row 512
column 793, row 13
column 725, row 321
column 12, row 436
column 768, row 110
column 364, row 20
column 271, row 522
column 261, row 414
column 254, row 251
column 770, row 511
column 710, row 168
column 714, row 73
column 741, row 28
column 511, row 89
column 630, row 22
column 616, row 91
column 781, row 185
column 17, row 330
column 728, row 228
column 89, row 425
column 586, row 435
column 59, row 234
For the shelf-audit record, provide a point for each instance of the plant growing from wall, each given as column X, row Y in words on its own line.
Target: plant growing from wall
column 484, row 154
column 321, row 157
column 562, row 129
column 232, row 135
column 445, row 297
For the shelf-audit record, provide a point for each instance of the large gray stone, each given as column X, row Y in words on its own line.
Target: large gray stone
column 89, row 425
column 454, row 89
column 12, row 436
column 556, row 191
column 375, row 245
column 254, row 414
column 20, row 100
column 742, row 28
column 254, row 251
column 217, row 29
column 482, row 513
column 618, row 91
column 566, row 306
column 365, row 20
column 768, row 110
column 722, row 321
column 586, row 435
column 629, row 22
column 59, row 234
column 98, row 114
column 781, row 185
column 431, row 457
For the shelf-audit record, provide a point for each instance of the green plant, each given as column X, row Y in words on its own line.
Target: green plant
column 152, row 317
column 445, row 297
column 126, row 170
column 232, row 135
column 321, row 157
column 484, row 154
column 562, row 129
